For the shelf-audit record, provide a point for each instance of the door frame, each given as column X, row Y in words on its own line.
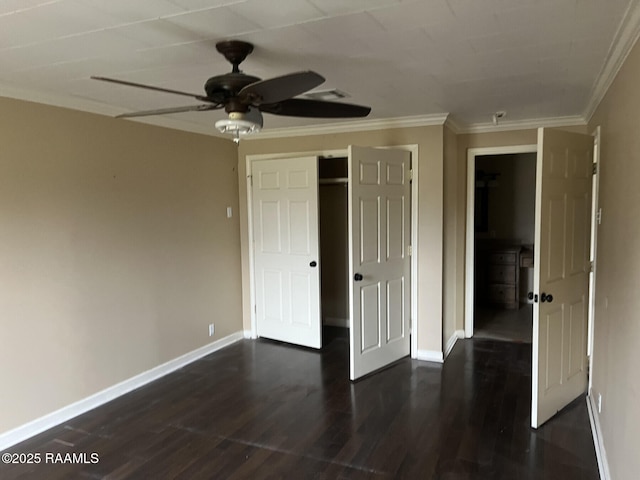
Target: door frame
column 413, row 149
column 470, row 244
column 595, row 202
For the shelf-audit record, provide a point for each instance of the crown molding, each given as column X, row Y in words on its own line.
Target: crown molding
column 623, row 41
column 444, row 119
column 355, row 126
column 89, row 106
column 453, row 125
column 504, row 126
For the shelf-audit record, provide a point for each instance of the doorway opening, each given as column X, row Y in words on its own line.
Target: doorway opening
column 489, row 188
column 504, row 229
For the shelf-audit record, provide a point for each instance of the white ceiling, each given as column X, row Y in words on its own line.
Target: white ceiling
column 535, row 59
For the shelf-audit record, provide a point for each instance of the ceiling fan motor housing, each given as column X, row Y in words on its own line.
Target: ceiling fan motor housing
column 224, row 87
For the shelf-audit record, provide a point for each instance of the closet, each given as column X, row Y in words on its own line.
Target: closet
column 330, row 245
column 333, row 186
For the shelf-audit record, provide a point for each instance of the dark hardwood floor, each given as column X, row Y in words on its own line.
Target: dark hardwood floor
column 264, row 410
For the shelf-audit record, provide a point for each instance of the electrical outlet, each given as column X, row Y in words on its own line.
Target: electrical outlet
column 212, row 329
column 599, row 403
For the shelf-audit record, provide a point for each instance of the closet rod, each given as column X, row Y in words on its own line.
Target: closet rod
column 333, row 181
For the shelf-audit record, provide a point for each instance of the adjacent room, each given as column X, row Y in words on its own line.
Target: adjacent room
column 319, row 239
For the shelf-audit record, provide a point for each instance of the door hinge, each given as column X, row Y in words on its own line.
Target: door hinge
column 595, row 168
column 599, row 216
column 410, row 174
column 591, row 266
column 250, row 177
column 410, row 250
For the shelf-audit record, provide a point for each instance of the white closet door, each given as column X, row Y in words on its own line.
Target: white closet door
column 285, row 232
column 380, row 269
column 561, row 271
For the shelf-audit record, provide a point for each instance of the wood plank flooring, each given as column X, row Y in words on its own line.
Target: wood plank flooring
column 502, row 324
column 264, row 410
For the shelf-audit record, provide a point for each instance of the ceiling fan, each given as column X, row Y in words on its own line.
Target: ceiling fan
column 244, row 96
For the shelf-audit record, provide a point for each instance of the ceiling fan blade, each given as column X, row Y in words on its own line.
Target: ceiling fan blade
column 151, row 87
column 280, row 88
column 300, row 107
column 164, row 111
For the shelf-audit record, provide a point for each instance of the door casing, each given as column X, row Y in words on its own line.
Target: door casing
column 413, row 148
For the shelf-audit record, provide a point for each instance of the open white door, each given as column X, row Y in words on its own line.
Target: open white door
column 561, row 271
column 380, row 269
column 285, row 233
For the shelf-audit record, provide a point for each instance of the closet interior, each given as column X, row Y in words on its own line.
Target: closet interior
column 334, row 252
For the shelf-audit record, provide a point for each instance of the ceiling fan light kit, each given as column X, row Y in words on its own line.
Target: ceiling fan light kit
column 238, row 125
column 244, row 97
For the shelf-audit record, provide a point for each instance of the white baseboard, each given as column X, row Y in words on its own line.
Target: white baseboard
column 430, row 356
column 452, row 341
column 248, row 334
column 596, row 431
column 39, row 425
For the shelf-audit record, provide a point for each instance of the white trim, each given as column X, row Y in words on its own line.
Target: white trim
column 354, row 126
column 415, row 253
column 598, row 442
column 535, row 338
column 624, row 40
column 429, row 356
column 57, row 417
column 533, row 123
column 247, row 334
column 454, row 125
column 597, row 158
column 470, row 228
column 452, row 341
column 252, row 272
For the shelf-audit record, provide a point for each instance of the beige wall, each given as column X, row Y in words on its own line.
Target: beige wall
column 115, row 252
column 430, row 187
column 617, row 321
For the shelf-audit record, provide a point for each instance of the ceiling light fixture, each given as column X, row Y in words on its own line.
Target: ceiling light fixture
column 240, row 124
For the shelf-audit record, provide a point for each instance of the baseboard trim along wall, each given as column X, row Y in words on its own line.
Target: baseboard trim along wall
column 430, row 356
column 596, row 431
column 452, row 341
column 52, row 419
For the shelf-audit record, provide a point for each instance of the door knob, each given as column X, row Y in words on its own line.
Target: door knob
column 358, row 277
column 313, row 264
column 533, row 297
column 546, row 298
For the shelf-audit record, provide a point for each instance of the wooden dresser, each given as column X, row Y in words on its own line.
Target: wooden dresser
column 500, row 276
